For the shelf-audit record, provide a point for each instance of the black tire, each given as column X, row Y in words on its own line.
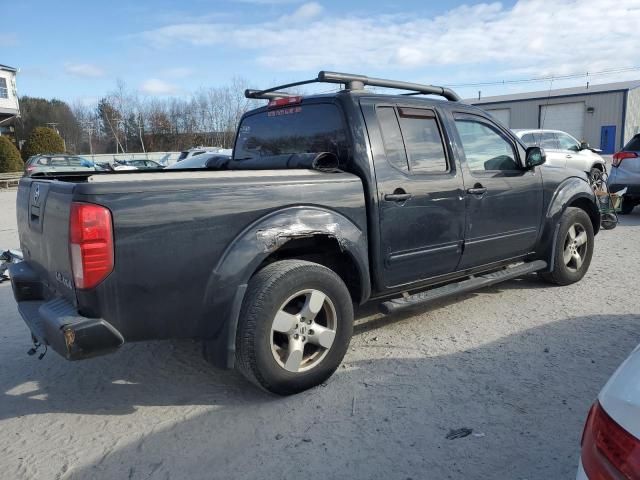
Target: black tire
column 267, row 291
column 627, row 206
column 608, row 221
column 563, row 273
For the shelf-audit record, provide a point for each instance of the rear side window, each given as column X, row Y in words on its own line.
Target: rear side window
column 59, row 162
column 392, row 138
column 423, row 141
column 633, row 145
column 412, row 139
column 541, row 139
column 303, row 128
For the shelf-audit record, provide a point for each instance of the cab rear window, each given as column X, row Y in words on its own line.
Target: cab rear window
column 303, row 128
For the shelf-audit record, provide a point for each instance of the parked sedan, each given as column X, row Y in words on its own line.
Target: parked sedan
column 564, row 151
column 625, row 172
column 57, row 163
column 611, row 438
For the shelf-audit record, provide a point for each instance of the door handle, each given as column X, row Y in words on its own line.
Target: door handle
column 398, row 195
column 568, row 155
column 477, row 189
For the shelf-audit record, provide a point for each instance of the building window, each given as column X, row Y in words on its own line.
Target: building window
column 4, row 91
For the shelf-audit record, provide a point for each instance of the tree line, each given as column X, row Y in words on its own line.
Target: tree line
column 124, row 121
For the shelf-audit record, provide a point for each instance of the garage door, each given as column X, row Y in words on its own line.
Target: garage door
column 568, row 117
column 503, row 115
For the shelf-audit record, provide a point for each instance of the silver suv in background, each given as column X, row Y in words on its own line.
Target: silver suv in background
column 625, row 172
column 563, row 150
column 57, row 162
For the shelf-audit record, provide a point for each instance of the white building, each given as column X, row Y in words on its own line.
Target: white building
column 9, row 108
column 606, row 116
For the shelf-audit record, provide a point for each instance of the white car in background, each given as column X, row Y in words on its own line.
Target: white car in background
column 195, row 151
column 611, row 437
column 563, row 150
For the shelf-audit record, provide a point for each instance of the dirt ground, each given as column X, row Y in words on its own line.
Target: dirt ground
column 519, row 364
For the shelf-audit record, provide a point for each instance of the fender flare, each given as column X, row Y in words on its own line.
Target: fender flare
column 228, row 281
column 567, row 193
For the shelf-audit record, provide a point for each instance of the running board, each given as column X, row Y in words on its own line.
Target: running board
column 472, row 283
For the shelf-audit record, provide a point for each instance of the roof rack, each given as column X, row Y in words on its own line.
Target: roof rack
column 355, row 82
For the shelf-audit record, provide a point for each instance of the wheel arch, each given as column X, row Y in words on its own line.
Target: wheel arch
column 303, row 232
column 572, row 192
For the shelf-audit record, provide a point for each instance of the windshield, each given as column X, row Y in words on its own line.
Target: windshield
column 297, row 129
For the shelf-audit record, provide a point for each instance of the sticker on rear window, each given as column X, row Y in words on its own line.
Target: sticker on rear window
column 284, row 111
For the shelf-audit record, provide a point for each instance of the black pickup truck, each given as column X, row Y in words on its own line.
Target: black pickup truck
column 329, row 201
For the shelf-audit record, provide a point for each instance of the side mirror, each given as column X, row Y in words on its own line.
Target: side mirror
column 535, row 157
column 584, row 146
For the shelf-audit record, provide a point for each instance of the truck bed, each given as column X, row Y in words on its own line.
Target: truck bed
column 171, row 232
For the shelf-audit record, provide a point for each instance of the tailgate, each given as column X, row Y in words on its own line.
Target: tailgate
column 43, row 211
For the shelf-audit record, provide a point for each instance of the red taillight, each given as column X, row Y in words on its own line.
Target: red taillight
column 283, row 102
column 91, row 244
column 31, row 168
column 618, row 157
column 609, row 452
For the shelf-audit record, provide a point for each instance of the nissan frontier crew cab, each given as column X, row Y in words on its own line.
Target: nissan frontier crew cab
column 329, row 201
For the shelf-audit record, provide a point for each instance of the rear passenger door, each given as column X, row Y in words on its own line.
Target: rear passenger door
column 419, row 189
column 504, row 199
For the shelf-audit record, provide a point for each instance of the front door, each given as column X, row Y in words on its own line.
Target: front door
column 608, row 139
column 504, row 200
column 420, row 193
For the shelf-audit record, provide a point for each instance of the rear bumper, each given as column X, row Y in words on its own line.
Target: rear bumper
column 56, row 323
column 620, row 178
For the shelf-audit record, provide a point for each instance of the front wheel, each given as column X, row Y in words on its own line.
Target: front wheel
column 295, row 326
column 573, row 249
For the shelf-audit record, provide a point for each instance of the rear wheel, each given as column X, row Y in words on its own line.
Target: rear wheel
column 573, row 249
column 295, row 326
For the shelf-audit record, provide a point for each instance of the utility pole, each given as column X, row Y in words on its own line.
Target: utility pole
column 89, row 129
column 140, row 132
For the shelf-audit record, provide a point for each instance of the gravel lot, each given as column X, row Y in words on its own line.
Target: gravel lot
column 519, row 364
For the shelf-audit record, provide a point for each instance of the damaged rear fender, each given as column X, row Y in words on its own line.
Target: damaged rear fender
column 227, row 283
column 256, row 242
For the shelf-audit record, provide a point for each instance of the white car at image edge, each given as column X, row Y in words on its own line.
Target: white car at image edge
column 563, row 150
column 611, row 437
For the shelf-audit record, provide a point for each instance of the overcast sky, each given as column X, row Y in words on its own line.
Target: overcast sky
column 76, row 50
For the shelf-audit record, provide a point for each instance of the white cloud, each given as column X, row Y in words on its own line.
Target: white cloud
column 537, row 36
column 83, row 70
column 155, row 86
column 303, row 13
